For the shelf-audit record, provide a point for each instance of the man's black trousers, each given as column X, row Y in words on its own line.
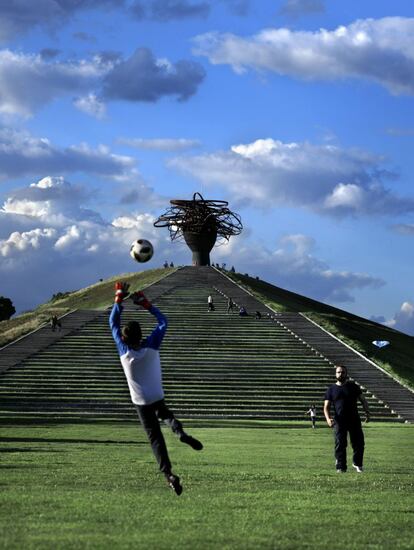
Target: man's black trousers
column 150, row 415
column 356, row 436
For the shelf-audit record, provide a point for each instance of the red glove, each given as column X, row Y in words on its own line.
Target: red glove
column 121, row 292
column 140, row 300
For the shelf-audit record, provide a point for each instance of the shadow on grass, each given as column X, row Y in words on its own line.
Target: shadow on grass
column 188, row 422
column 64, row 440
column 27, row 450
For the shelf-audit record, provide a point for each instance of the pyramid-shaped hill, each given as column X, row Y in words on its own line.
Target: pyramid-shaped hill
column 216, row 365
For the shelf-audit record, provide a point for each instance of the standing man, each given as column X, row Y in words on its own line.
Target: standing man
column 140, row 360
column 344, row 395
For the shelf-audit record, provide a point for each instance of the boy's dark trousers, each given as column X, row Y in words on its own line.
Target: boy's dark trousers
column 356, row 436
column 150, row 415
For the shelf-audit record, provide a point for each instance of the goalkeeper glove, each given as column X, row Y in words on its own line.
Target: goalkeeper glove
column 140, row 300
column 121, row 292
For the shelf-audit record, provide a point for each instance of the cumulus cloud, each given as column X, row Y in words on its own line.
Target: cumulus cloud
column 403, row 320
column 51, row 242
column 29, row 81
column 296, row 8
column 22, row 154
column 160, row 144
column 380, row 50
column 91, row 105
column 17, row 17
column 324, row 178
column 142, row 77
column 292, row 265
column 53, row 201
column 18, row 243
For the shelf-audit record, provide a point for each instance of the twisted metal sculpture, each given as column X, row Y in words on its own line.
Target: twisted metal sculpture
column 200, row 223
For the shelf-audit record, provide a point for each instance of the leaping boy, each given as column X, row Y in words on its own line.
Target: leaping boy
column 140, row 359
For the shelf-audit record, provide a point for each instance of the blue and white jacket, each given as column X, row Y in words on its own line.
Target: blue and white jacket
column 142, row 367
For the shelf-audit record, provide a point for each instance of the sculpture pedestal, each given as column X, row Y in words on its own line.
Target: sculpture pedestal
column 201, row 244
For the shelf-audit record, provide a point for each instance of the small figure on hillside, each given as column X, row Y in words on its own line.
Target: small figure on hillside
column 230, row 305
column 232, row 270
column 243, row 312
column 55, row 323
column 258, row 315
column 344, row 395
column 165, row 264
column 140, row 359
column 171, row 264
column 312, row 413
column 210, row 303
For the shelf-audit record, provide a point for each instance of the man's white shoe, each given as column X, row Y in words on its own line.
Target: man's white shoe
column 359, row 469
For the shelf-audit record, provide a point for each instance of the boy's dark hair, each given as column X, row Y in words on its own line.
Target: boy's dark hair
column 131, row 333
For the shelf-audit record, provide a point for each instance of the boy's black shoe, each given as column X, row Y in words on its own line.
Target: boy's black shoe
column 194, row 443
column 174, row 483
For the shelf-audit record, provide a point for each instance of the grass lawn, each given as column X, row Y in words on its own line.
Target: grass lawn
column 264, row 486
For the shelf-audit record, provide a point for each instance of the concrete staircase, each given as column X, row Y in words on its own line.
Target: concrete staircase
column 216, row 365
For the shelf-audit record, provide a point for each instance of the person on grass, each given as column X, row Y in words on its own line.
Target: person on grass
column 140, row 360
column 344, row 396
column 312, row 413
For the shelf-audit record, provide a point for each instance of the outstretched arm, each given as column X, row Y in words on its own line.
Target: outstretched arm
column 155, row 339
column 121, row 292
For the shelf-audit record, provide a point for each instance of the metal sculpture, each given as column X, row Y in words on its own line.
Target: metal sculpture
column 201, row 223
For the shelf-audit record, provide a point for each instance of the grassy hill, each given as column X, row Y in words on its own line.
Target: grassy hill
column 397, row 358
column 97, row 296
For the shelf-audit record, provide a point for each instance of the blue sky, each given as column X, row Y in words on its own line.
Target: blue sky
column 298, row 112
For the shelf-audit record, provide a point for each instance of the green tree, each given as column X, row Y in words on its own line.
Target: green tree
column 7, row 308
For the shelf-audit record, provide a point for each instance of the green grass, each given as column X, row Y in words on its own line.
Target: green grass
column 266, row 486
column 397, row 358
column 97, row 296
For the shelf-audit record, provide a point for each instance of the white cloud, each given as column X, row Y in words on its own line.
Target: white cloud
column 22, row 154
column 50, row 242
column 346, row 195
column 380, row 50
column 403, row 320
column 28, row 81
column 91, row 105
column 64, row 246
column 324, row 178
column 160, row 144
column 18, row 243
column 143, row 77
column 292, row 265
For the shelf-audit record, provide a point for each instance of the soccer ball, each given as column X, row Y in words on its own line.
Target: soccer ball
column 141, row 250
